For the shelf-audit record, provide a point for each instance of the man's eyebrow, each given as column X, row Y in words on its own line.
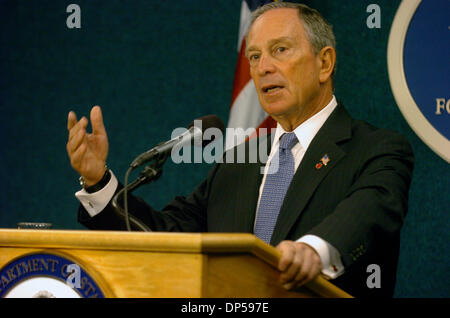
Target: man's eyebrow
column 271, row 42
column 251, row 48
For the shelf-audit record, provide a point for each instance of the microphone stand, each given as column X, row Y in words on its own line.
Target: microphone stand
column 150, row 173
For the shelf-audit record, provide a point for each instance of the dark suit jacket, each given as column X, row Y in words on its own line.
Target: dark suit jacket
column 357, row 202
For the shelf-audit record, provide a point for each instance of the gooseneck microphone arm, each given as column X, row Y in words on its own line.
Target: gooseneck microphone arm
column 158, row 155
column 149, row 173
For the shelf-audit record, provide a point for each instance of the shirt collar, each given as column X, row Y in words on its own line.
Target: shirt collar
column 308, row 129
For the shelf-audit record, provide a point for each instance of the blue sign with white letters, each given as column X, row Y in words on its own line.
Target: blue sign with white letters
column 427, row 62
column 419, row 69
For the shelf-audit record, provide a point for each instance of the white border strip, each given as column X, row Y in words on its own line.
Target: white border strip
column 408, row 107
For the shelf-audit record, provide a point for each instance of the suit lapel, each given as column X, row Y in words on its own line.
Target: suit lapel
column 307, row 177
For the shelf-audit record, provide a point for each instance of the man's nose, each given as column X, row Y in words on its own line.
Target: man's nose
column 265, row 65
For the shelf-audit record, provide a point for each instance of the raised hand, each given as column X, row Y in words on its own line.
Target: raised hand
column 88, row 152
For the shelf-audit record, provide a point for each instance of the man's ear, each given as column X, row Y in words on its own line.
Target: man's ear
column 327, row 58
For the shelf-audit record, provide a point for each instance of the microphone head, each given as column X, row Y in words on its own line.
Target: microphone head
column 209, row 121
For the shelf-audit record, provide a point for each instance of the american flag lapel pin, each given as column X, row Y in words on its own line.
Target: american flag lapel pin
column 323, row 162
column 325, row 159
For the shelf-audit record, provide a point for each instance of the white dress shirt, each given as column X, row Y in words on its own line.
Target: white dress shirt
column 332, row 266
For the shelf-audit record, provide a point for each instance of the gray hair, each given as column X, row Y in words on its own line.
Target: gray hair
column 319, row 31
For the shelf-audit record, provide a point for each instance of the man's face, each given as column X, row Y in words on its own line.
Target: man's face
column 283, row 65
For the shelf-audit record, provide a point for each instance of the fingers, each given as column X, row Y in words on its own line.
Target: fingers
column 77, row 134
column 80, row 125
column 77, row 155
column 287, row 254
column 97, row 121
column 304, row 274
column 77, row 130
column 71, row 120
column 290, row 262
column 87, row 151
column 75, row 140
column 299, row 264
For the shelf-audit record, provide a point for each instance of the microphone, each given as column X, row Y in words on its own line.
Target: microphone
column 193, row 133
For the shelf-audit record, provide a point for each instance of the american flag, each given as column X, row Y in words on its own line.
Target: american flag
column 246, row 111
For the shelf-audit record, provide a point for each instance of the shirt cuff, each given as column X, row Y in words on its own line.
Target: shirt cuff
column 95, row 202
column 332, row 266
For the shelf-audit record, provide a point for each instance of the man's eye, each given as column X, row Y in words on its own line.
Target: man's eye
column 281, row 49
column 254, row 57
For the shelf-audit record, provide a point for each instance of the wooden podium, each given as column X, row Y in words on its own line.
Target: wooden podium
column 166, row 265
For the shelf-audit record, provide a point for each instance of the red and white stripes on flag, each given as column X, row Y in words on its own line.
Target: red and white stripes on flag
column 246, row 111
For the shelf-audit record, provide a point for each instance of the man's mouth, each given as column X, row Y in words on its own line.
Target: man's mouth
column 271, row 88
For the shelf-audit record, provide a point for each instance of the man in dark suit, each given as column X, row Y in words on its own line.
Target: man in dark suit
column 336, row 200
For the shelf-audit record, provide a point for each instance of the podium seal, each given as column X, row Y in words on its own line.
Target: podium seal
column 45, row 275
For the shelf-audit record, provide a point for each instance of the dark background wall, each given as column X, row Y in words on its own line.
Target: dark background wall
column 154, row 66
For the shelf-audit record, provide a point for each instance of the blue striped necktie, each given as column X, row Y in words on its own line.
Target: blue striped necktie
column 277, row 183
